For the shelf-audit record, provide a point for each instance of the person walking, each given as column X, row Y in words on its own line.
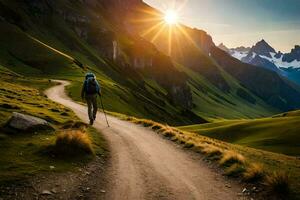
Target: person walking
column 89, row 92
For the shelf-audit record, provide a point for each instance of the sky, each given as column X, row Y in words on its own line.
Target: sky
column 241, row 22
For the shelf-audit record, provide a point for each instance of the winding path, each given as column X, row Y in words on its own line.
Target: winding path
column 145, row 166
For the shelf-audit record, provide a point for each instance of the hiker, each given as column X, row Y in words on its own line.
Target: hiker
column 89, row 92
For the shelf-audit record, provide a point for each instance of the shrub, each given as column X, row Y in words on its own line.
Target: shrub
column 278, row 183
column 73, row 142
column 231, row 157
column 254, row 173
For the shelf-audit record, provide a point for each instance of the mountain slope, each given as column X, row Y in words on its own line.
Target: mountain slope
column 37, row 37
column 195, row 50
column 67, row 38
column 266, row 84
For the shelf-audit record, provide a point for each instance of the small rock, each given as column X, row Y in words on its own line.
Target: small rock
column 102, row 191
column 52, row 167
column 54, row 191
column 46, row 192
column 228, row 185
column 244, row 190
column 88, row 189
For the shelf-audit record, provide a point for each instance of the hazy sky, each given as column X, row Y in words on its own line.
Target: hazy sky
column 241, row 22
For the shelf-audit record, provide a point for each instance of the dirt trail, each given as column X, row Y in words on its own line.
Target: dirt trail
column 145, row 166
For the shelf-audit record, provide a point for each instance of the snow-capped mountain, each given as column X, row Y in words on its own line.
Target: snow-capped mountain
column 264, row 55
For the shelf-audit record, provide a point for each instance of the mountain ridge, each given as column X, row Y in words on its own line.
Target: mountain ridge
column 153, row 83
column 263, row 55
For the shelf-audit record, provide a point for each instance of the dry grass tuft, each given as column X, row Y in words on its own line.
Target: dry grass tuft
column 278, row 183
column 156, row 127
column 188, row 145
column 73, row 142
column 235, row 170
column 230, row 157
column 167, row 132
column 212, row 151
column 254, row 173
column 146, row 123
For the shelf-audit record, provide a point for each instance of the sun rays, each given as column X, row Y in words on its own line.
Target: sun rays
column 165, row 28
column 171, row 17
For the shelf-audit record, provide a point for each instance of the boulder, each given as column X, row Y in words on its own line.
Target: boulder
column 20, row 123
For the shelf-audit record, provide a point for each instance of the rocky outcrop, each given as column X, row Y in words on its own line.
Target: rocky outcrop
column 224, row 48
column 21, row 123
column 263, row 48
column 293, row 55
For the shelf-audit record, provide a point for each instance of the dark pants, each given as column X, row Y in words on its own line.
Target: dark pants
column 91, row 101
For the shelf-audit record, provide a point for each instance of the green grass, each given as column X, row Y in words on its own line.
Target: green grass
column 23, row 155
column 278, row 134
column 249, row 164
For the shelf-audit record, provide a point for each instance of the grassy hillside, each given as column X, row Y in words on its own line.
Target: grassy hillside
column 278, row 134
column 54, row 50
column 22, row 155
column 275, row 90
column 44, row 43
column 212, row 103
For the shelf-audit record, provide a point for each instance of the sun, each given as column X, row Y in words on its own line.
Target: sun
column 171, row 17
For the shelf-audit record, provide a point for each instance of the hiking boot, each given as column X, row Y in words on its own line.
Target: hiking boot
column 91, row 122
column 94, row 117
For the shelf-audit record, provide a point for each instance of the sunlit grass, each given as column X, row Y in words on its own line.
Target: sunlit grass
column 73, row 142
column 249, row 165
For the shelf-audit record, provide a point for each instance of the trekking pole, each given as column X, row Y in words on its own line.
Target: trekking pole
column 104, row 111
